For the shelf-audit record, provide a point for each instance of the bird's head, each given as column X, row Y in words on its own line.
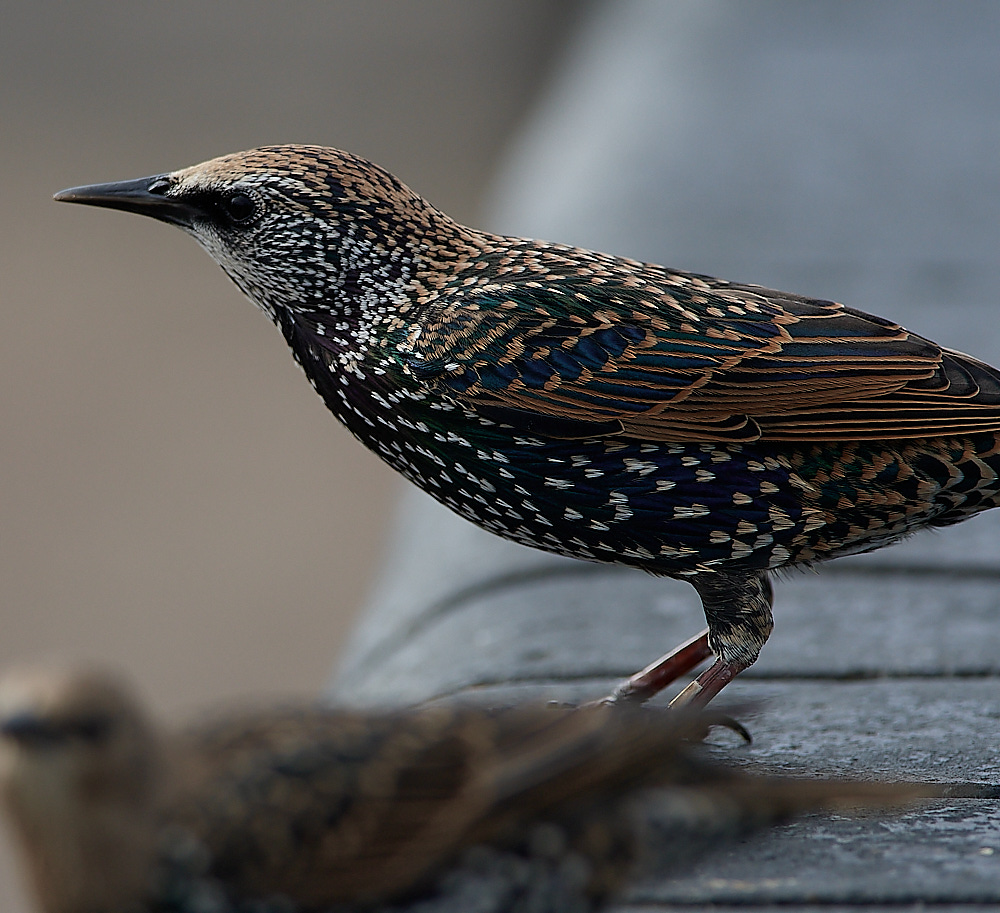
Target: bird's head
column 79, row 779
column 300, row 228
column 70, row 729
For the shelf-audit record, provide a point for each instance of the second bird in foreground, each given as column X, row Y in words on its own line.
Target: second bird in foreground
column 444, row 810
column 591, row 405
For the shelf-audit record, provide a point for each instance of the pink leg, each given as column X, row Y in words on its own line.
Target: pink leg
column 708, row 684
column 656, row 676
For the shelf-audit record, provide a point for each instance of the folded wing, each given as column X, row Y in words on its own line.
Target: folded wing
column 699, row 360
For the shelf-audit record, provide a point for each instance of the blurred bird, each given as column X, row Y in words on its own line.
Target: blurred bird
column 311, row 808
column 590, row 405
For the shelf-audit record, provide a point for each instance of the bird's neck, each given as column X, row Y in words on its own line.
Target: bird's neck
column 351, row 346
column 380, row 280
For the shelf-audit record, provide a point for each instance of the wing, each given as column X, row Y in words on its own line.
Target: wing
column 323, row 807
column 690, row 358
column 333, row 807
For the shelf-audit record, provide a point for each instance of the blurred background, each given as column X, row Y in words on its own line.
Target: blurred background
column 176, row 501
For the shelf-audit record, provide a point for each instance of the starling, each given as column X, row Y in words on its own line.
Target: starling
column 591, row 405
column 308, row 808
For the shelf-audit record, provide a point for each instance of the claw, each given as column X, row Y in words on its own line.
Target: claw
column 733, row 725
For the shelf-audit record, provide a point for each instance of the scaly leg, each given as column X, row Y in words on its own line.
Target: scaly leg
column 708, row 684
column 738, row 609
column 668, row 668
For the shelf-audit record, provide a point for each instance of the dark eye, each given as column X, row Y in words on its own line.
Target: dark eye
column 240, row 207
column 91, row 729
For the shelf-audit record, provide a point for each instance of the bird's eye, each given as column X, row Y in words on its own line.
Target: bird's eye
column 240, row 207
column 91, row 729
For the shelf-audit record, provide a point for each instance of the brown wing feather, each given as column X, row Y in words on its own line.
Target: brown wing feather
column 705, row 360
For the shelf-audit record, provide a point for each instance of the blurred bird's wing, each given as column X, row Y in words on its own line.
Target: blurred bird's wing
column 695, row 360
column 329, row 807
column 321, row 806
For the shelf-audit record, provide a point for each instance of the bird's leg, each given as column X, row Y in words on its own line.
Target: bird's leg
column 708, row 684
column 657, row 675
column 738, row 609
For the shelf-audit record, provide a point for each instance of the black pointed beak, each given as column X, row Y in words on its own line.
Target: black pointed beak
column 146, row 196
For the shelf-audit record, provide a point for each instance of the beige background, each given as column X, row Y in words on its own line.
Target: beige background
column 175, row 500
